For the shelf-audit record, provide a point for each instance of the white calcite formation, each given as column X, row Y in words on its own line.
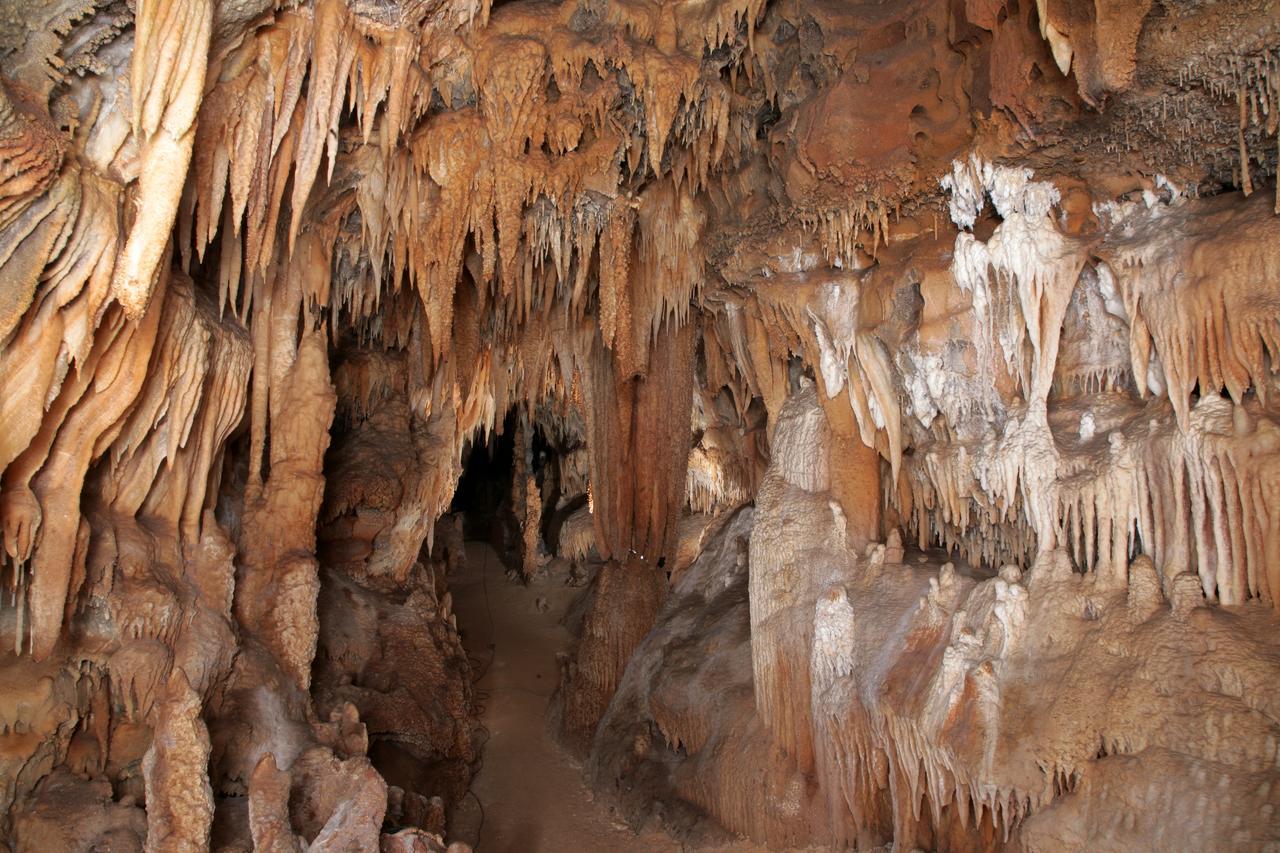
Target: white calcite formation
column 949, row 707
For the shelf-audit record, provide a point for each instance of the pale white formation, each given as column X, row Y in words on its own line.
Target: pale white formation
column 795, row 519
column 1045, row 710
column 1159, row 302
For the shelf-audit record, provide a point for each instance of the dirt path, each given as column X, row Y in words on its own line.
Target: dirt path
column 532, row 793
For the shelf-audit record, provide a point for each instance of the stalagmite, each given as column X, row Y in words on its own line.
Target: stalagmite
column 180, row 800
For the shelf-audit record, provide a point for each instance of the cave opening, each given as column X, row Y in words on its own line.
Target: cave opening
column 483, row 494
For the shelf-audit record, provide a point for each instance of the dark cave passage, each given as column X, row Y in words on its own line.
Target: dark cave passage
column 483, row 495
column 529, row 793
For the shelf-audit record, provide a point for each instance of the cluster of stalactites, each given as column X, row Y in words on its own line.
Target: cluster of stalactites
column 553, row 193
column 325, row 192
column 1189, row 285
column 1197, row 284
column 1180, row 290
column 520, row 187
column 938, row 502
column 1256, row 88
column 151, row 405
column 843, row 232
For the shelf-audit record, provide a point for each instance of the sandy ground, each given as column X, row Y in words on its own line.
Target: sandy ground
column 532, row 792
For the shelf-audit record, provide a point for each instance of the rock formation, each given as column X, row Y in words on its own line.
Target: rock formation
column 898, row 376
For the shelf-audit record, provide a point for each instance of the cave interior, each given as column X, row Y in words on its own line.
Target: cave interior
column 617, row 425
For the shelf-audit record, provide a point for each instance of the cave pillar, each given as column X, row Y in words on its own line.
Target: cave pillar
column 626, row 601
column 276, row 597
column 179, row 796
column 854, row 471
column 527, row 500
column 638, row 433
column 855, row 485
column 293, row 408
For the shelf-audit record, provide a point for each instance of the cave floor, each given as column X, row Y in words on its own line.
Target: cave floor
column 532, row 792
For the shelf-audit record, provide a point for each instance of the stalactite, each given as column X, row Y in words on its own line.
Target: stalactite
column 629, row 419
column 166, row 86
column 66, row 235
column 53, row 468
column 635, row 510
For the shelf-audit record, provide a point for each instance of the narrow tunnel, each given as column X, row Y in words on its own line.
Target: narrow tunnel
column 591, row 425
column 483, row 497
column 516, row 600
